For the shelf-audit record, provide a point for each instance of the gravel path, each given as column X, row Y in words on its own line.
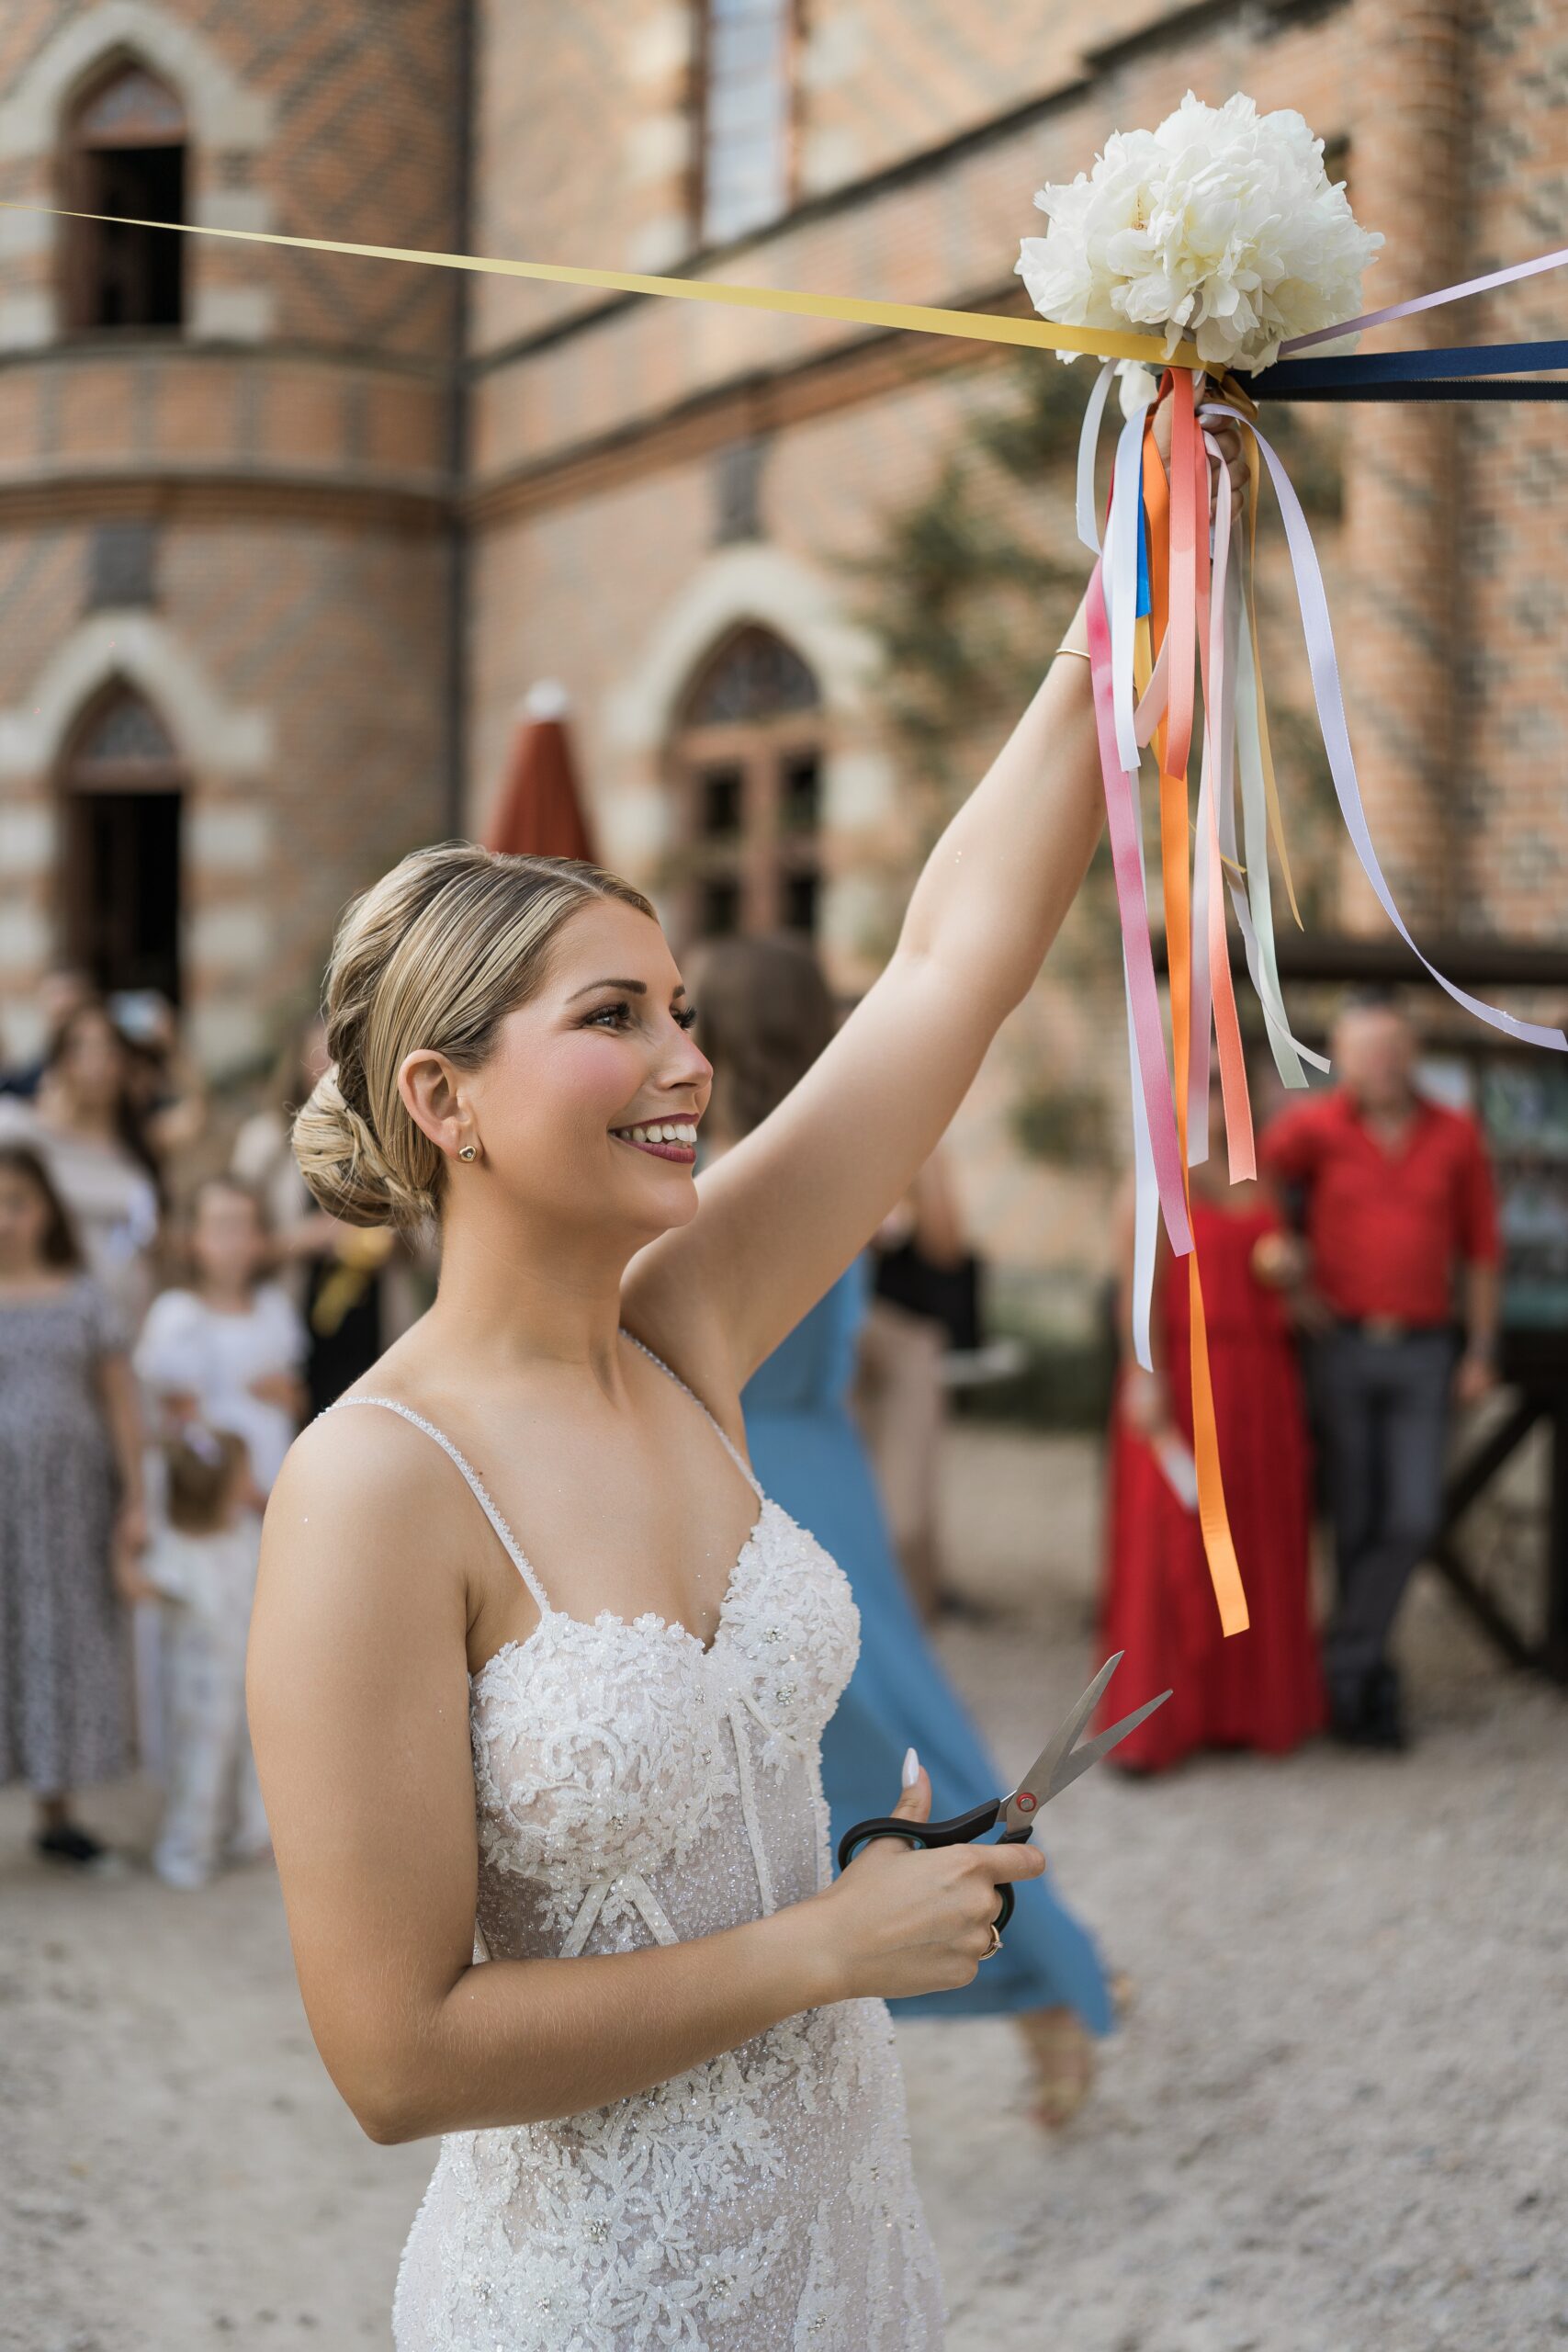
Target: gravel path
column 1335, row 2121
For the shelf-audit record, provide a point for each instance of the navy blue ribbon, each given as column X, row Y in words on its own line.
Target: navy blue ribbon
column 1477, row 371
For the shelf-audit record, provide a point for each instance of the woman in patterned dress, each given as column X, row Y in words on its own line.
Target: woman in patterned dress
column 84, row 1127
column 71, row 1516
column 522, row 1577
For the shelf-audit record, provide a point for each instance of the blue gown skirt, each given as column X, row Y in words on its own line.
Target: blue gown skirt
column 809, row 1458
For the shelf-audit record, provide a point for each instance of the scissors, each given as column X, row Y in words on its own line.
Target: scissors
column 1055, row 1767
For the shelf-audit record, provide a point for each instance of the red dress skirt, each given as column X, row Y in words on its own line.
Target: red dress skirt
column 1262, row 1688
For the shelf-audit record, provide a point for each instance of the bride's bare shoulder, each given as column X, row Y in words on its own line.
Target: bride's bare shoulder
column 356, row 1451
column 360, row 1508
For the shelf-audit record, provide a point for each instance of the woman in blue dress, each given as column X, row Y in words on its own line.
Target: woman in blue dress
column 765, row 1014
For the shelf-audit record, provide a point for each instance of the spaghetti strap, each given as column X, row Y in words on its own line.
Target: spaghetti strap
column 728, row 1444
column 514, row 1551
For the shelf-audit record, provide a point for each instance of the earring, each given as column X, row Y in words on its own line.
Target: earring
column 469, row 1151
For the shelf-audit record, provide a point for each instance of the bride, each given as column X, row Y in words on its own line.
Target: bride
column 537, row 1674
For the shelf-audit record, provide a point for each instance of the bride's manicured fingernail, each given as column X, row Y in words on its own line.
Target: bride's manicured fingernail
column 912, row 1768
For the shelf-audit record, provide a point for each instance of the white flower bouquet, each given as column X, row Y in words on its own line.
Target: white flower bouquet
column 1221, row 228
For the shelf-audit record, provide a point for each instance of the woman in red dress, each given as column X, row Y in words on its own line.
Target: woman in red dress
column 1262, row 1688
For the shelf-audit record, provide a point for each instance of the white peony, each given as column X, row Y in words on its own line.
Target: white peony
column 1222, row 228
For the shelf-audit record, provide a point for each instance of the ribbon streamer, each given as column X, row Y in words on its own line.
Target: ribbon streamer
column 1465, row 374
column 1511, row 275
column 1322, row 662
column 1088, row 441
column 1464, row 371
column 1143, row 995
column 908, row 317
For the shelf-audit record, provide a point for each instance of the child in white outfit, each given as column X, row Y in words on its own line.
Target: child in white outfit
column 203, row 1561
column 230, row 1347
column 223, row 1359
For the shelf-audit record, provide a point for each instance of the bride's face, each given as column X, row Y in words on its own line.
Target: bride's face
column 569, row 1108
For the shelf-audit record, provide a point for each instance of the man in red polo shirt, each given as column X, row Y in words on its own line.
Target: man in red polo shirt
column 1396, row 1204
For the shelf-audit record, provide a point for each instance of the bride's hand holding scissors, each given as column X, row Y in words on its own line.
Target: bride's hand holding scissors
column 922, row 1922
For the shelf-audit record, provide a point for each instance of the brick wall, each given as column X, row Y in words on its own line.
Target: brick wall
column 1513, row 516
column 313, row 746
column 290, row 449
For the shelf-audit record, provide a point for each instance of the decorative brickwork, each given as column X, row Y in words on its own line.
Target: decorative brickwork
column 289, row 447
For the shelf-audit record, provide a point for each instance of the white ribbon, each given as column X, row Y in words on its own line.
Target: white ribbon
column 1324, row 664
column 1088, row 442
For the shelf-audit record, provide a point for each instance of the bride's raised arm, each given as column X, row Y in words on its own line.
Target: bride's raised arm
column 786, row 1211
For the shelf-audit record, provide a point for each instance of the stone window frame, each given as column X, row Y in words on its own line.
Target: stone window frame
column 121, row 745
column 762, row 737
column 230, row 127
column 81, row 244
column 791, row 15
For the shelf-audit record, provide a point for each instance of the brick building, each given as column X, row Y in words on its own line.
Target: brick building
column 284, row 538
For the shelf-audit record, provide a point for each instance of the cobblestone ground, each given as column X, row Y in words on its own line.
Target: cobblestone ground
column 1335, row 2120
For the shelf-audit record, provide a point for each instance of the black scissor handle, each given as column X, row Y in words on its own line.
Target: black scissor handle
column 962, row 1831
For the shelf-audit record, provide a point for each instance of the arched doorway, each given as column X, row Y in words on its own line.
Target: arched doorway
column 748, row 775
column 123, row 153
column 122, row 791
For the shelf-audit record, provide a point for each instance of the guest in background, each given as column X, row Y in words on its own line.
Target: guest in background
column 230, row 1347
column 1395, row 1199
column 922, row 1270
column 765, row 1015
column 222, row 1358
column 62, row 991
column 72, row 1522
column 1262, row 1688
column 356, row 1289
column 263, row 1160
column 168, row 1092
column 83, row 1123
column 203, row 1562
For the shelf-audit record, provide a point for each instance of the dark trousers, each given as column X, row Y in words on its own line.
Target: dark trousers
column 1381, row 1410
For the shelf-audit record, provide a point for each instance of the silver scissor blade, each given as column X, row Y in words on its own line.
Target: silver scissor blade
column 1093, row 1749
column 1042, row 1779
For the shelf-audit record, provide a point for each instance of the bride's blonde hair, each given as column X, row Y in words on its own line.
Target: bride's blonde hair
column 436, row 954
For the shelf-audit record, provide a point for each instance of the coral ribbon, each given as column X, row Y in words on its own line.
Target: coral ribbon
column 1186, row 580
column 1210, row 940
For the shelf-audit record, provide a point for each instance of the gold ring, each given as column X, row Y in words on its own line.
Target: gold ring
column 995, row 1943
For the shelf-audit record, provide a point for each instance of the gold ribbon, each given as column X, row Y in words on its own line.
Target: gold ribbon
column 907, row 318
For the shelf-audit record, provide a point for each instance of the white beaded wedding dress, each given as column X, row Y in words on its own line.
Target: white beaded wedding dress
column 635, row 1788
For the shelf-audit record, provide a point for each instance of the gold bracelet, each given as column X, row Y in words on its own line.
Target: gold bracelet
column 1078, row 653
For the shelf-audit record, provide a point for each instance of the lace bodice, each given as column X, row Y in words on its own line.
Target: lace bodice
column 634, row 1786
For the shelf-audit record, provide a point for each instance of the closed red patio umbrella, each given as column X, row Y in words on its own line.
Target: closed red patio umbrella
column 538, row 812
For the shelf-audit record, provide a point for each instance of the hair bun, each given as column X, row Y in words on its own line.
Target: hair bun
column 343, row 1165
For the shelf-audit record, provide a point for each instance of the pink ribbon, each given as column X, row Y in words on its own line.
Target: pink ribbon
column 1143, row 996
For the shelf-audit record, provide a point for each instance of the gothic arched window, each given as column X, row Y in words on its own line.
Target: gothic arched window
column 124, row 154
column 748, row 758
column 122, row 793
